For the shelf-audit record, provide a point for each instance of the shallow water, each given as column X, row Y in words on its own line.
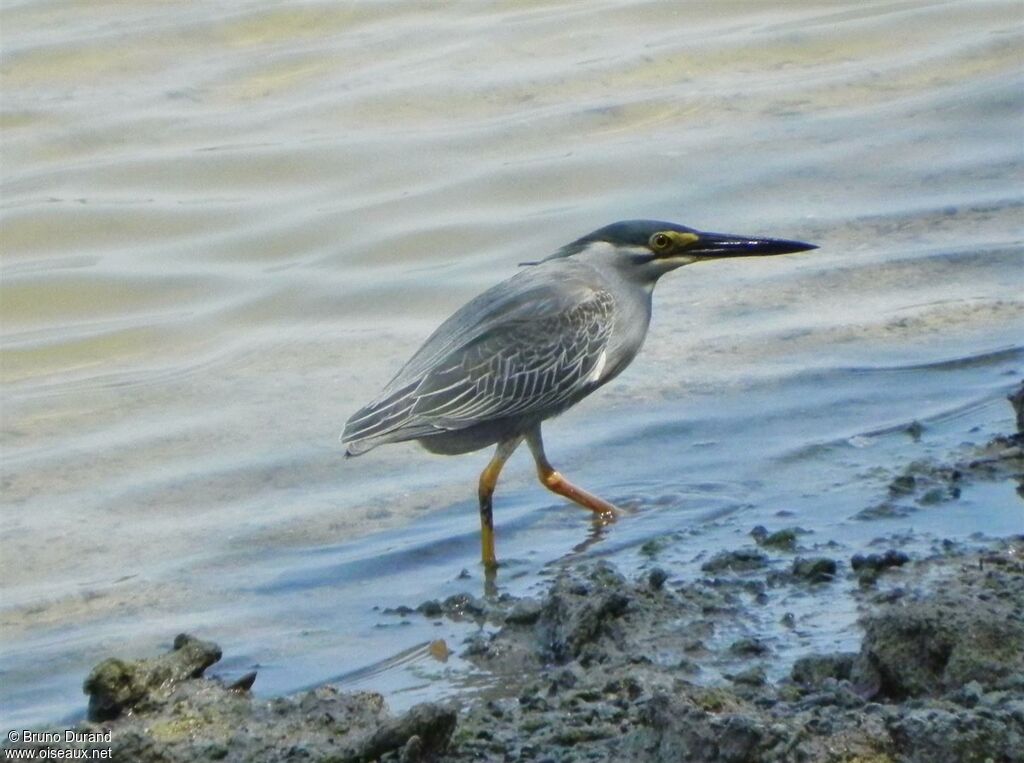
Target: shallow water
column 223, row 231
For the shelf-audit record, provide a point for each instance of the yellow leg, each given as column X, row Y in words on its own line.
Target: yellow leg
column 556, row 483
column 488, row 481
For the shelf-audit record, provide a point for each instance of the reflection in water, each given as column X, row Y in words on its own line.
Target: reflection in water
column 598, row 532
column 599, row 527
column 224, row 227
column 491, row 590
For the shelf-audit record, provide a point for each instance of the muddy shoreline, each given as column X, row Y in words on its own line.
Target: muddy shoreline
column 658, row 667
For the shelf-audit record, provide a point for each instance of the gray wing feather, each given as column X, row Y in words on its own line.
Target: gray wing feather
column 525, row 347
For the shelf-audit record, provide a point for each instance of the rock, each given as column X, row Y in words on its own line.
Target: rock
column 117, row 685
column 575, row 615
column 869, row 567
column 812, row 671
column 244, row 683
column 1017, row 401
column 814, row 570
column 593, row 671
column 784, row 539
column 739, row 738
column 915, row 429
column 970, row 629
column 754, row 676
column 524, row 612
column 656, row 578
column 740, row 560
column 178, row 716
column 941, row 735
column 891, row 558
column 430, row 608
column 929, row 482
column 464, row 605
column 749, row 646
column 430, row 724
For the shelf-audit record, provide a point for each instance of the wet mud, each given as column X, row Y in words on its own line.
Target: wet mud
column 659, row 666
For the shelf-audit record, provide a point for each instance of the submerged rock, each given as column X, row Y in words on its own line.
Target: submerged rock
column 784, row 540
column 891, row 558
column 814, row 570
column 868, row 567
column 740, row 560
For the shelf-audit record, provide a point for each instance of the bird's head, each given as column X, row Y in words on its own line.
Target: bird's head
column 647, row 249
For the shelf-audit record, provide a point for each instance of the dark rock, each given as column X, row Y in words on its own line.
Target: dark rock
column 891, row 558
column 969, row 630
column 741, row 560
column 656, row 578
column 524, row 612
column 928, row 482
column 653, row 547
column 884, row 510
column 784, row 539
column 461, row 605
column 178, row 716
column 430, row 723
column 814, row 570
column 754, row 676
column 739, row 738
column 812, row 671
column 1017, row 401
column 915, row 429
column 941, row 735
column 413, row 751
column 869, row 567
column 244, row 683
column 430, row 608
column 571, row 619
column 117, row 685
column 903, row 484
column 749, row 646
column 477, row 644
column 968, row 695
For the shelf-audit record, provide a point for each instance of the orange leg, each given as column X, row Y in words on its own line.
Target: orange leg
column 488, row 481
column 556, row 483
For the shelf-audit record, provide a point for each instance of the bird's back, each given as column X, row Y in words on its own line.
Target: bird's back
column 523, row 350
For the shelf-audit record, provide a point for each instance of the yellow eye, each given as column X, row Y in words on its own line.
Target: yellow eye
column 660, row 242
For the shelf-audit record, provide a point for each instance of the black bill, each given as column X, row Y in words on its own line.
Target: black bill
column 728, row 245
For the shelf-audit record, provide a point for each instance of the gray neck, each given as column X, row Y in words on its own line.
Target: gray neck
column 631, row 285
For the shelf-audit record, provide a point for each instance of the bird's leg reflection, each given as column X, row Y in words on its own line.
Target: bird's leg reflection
column 491, row 582
column 556, row 483
column 598, row 532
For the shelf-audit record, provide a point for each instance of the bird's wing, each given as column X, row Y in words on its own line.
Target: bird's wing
column 525, row 347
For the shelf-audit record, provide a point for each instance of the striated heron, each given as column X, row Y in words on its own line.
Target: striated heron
column 535, row 345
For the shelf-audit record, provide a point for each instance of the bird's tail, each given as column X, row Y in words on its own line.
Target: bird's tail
column 359, row 447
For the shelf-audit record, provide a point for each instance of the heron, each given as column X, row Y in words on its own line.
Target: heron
column 533, row 346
